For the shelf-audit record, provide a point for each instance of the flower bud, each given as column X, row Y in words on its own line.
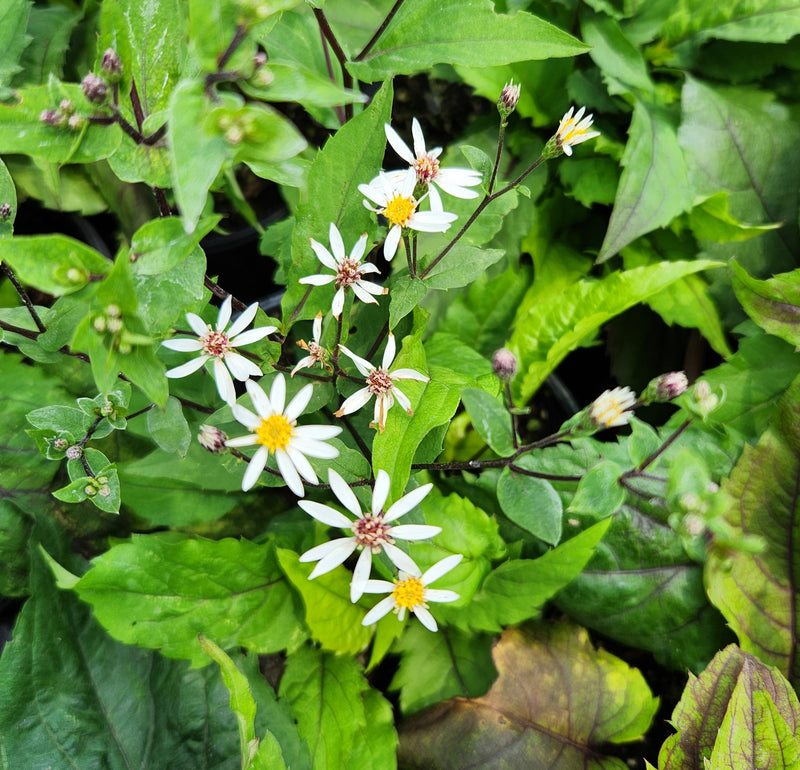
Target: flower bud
column 76, row 122
column 52, row 117
column 5, row 212
column 212, row 439
column 95, row 89
column 504, row 364
column 66, row 106
column 111, row 65
column 60, row 443
column 665, row 388
column 74, row 452
column 704, row 400
column 509, row 97
column 612, row 408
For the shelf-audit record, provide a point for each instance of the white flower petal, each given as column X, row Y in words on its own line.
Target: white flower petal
column 317, row 449
column 441, row 568
column 318, row 280
column 440, row 595
column 301, row 464
column 368, row 267
column 323, row 255
column 298, row 403
column 241, row 367
column 248, row 440
column 400, row 558
column 244, row 320
column 360, row 575
column 419, row 139
column 254, row 468
column 358, row 250
column 254, row 335
column 188, row 368
column 277, row 394
column 224, row 382
column 383, row 607
column 224, row 314
column 289, row 473
column 372, row 288
column 338, row 302
column 302, row 364
column 354, row 402
column 378, row 587
column 402, row 399
column 343, row 492
column 199, row 326
column 407, row 502
column 389, row 353
column 398, row 145
column 435, row 199
column 408, row 374
column 325, row 514
column 391, row 243
column 321, row 551
column 457, row 191
column 245, row 417
column 363, row 366
column 316, row 327
column 337, row 244
column 431, row 221
column 183, row 345
column 426, row 618
column 380, row 491
column 316, row 432
column 362, row 294
column 259, row 398
column 415, row 531
column 334, row 558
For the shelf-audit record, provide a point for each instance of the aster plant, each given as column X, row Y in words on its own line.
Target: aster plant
column 244, row 557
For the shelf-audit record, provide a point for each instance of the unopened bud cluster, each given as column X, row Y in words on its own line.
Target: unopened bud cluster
column 74, row 452
column 5, row 212
column 65, row 115
column 665, row 388
column 95, row 89
column 212, row 439
column 111, row 66
column 508, row 100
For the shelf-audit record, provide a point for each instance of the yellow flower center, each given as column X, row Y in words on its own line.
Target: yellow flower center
column 399, row 210
column 274, row 432
column 408, row 593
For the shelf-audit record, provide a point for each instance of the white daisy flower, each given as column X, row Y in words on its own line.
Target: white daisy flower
column 275, row 429
column 612, row 408
column 348, row 271
column 218, row 344
column 381, row 384
column 316, row 353
column 572, row 130
column 395, row 200
column 372, row 531
column 453, row 181
column 410, row 592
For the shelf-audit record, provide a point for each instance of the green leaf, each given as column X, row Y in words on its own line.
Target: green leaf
column 61, row 418
column 518, row 589
column 621, row 62
column 54, row 264
column 13, row 40
column 321, row 688
column 531, row 504
column 22, row 131
column 434, row 667
column 352, row 156
column 232, row 590
column 549, row 326
column 727, row 150
column 168, row 427
column 98, row 688
column 334, row 621
column 654, row 186
column 713, row 221
column 462, row 265
column 490, row 418
column 599, row 492
column 161, row 244
column 762, row 21
column 424, row 33
column 404, row 295
column 716, row 715
column 608, row 702
column 756, row 591
column 243, row 706
column 773, row 304
column 15, row 529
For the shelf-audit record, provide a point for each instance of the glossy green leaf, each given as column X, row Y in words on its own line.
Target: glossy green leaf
column 424, row 33
column 599, row 492
column 461, row 266
column 727, row 150
column 549, row 327
column 763, row 21
column 773, row 304
column 434, row 667
column 231, row 590
column 54, row 264
column 168, row 427
column 15, row 529
column 322, row 688
column 713, row 221
column 518, row 589
column 561, row 700
column 531, row 504
column 351, row 157
column 404, row 295
column 654, row 187
column 334, row 621
column 490, row 419
column 73, row 697
column 756, row 591
column 13, row 40
column 161, row 244
column 722, row 717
